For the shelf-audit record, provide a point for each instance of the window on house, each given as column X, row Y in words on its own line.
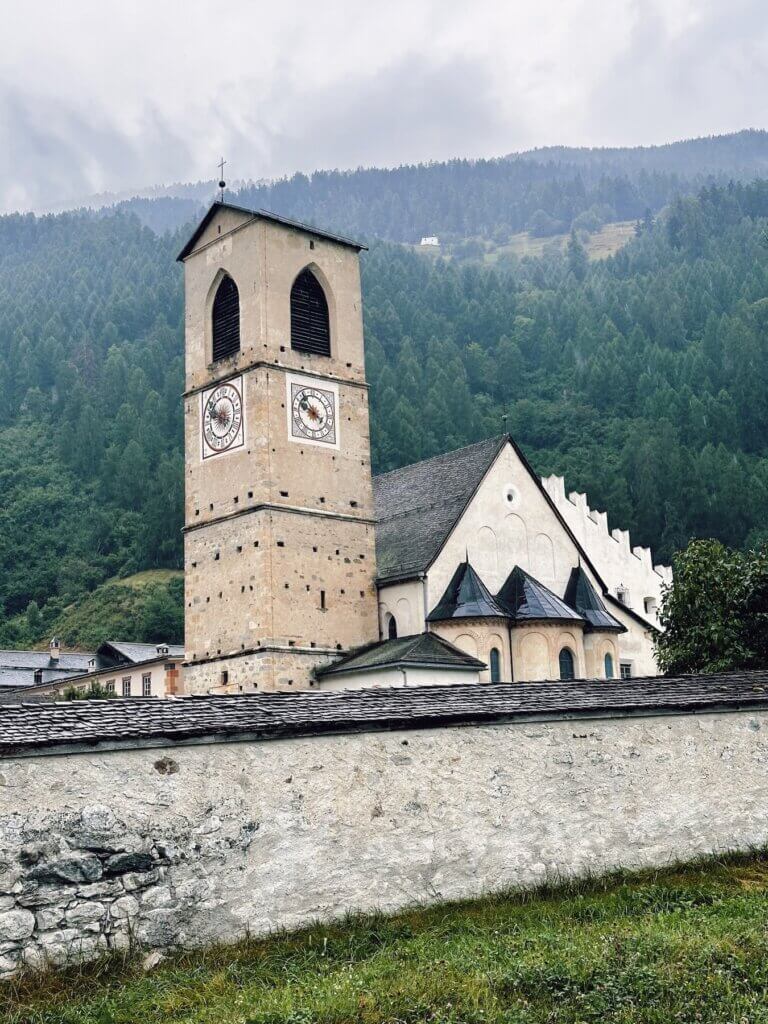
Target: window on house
column 126, row 686
column 649, row 603
column 109, row 686
column 38, row 675
column 625, row 669
column 310, row 326
column 495, row 660
column 567, row 669
column 226, row 320
column 609, row 666
column 623, row 595
column 146, row 685
column 391, row 627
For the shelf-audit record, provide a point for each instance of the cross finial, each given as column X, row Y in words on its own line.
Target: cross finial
column 222, row 183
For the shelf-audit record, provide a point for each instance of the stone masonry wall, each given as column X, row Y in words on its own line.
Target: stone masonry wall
column 190, row 844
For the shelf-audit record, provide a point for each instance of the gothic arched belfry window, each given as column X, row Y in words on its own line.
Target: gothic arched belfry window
column 310, row 326
column 226, row 320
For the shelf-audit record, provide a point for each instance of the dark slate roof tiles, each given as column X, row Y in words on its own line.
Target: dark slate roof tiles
column 421, row 649
column 527, row 600
column 86, row 725
column 581, row 595
column 418, row 506
column 466, row 597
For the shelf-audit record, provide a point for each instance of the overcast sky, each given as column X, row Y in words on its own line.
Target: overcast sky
column 99, row 95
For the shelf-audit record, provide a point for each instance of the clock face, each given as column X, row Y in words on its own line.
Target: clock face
column 313, row 414
column 223, row 420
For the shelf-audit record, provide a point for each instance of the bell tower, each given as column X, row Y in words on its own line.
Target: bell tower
column 280, row 561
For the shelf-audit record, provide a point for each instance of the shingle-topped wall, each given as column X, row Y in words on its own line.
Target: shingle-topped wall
column 410, row 796
column 35, row 728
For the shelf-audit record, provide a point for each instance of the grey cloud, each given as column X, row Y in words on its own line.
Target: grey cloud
column 54, row 153
column 711, row 78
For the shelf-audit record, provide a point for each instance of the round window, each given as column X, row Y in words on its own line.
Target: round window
column 510, row 495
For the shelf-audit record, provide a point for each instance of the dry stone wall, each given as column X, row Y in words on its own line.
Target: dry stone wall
column 186, row 845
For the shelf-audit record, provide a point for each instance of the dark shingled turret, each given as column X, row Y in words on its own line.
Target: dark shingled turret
column 525, row 599
column 581, row 595
column 466, row 597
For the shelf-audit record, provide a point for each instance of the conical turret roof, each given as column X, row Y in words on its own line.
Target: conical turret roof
column 466, row 597
column 525, row 599
column 581, row 595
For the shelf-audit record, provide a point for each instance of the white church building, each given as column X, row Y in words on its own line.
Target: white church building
column 526, row 580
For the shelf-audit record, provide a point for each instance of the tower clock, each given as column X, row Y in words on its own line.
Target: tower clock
column 280, row 559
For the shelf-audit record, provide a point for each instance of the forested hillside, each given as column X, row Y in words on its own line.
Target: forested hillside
column 543, row 191
column 643, row 378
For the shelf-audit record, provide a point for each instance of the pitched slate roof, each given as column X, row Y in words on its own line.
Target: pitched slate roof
column 466, row 597
column 421, row 650
column 264, row 215
column 527, row 600
column 418, row 506
column 135, row 654
column 17, row 668
column 581, row 595
column 27, row 729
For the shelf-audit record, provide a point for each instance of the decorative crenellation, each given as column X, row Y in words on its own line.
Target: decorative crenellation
column 611, row 549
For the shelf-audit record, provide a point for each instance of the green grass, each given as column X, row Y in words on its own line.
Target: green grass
column 603, row 243
column 688, row 944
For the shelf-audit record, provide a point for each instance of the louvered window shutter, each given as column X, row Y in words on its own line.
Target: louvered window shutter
column 226, row 320
column 310, row 330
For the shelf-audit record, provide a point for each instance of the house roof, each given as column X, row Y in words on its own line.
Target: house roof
column 136, row 654
column 581, row 595
column 214, row 208
column 33, row 729
column 527, row 600
column 466, row 597
column 418, row 506
column 421, row 650
column 18, row 668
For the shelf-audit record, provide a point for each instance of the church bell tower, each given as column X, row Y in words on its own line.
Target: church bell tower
column 280, row 560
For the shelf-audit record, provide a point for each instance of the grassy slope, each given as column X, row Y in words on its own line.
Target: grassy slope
column 686, row 944
column 114, row 611
column 600, row 245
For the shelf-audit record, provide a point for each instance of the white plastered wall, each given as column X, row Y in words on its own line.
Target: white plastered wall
column 622, row 567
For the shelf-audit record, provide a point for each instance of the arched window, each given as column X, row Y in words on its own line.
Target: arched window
column 609, row 666
column 495, row 665
column 392, row 627
column 310, row 329
column 566, row 664
column 226, row 320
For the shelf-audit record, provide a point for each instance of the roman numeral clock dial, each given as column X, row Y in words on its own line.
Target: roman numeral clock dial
column 222, row 418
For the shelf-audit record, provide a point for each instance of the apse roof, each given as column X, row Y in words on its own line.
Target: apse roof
column 427, row 650
column 525, row 599
column 581, row 595
column 466, row 597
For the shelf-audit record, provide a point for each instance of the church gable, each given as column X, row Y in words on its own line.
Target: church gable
column 216, row 224
column 508, row 521
column 418, row 506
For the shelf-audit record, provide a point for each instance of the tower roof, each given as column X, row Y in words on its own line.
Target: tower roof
column 466, row 597
column 581, row 595
column 256, row 214
column 525, row 599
